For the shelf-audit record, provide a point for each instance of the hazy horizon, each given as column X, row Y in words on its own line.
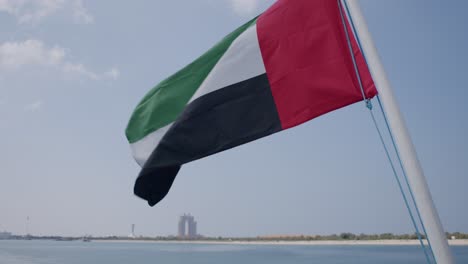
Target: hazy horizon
column 72, row 71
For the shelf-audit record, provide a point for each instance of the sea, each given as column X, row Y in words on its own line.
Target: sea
column 78, row 252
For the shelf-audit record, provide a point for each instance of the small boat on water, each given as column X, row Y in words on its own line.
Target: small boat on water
column 64, row 239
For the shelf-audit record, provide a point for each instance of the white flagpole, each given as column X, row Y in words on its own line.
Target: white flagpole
column 417, row 181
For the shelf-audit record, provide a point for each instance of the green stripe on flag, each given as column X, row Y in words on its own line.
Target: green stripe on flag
column 163, row 104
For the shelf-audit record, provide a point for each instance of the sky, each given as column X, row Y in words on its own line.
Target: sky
column 72, row 71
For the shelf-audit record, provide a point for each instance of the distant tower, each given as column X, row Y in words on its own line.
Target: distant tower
column 133, row 230
column 189, row 221
column 27, row 226
column 192, row 227
column 181, row 229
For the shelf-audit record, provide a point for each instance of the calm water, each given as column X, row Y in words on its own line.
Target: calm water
column 52, row 252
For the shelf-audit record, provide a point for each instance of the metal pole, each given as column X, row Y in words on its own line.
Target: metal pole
column 411, row 165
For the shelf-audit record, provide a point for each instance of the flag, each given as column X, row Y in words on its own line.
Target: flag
column 285, row 67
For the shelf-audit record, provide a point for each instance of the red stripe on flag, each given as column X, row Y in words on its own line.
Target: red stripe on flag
column 307, row 60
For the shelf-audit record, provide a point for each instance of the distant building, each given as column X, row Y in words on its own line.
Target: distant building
column 188, row 221
column 181, row 229
column 132, row 234
column 192, row 227
column 5, row 235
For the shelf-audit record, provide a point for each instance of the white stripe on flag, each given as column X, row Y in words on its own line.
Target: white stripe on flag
column 242, row 61
column 143, row 148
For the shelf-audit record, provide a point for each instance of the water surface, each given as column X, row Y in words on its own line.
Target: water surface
column 77, row 252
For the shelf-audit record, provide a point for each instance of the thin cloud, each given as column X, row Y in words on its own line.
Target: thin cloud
column 34, row 107
column 79, row 69
column 33, row 52
column 14, row 55
column 34, row 11
column 81, row 14
column 113, row 73
column 244, row 7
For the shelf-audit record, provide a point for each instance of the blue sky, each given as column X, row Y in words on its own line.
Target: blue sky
column 71, row 72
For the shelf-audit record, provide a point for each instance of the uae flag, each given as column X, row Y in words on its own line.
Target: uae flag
column 287, row 66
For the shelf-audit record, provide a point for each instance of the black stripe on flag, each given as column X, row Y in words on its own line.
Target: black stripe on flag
column 217, row 121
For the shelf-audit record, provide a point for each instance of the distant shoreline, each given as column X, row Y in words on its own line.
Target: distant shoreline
column 457, row 242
